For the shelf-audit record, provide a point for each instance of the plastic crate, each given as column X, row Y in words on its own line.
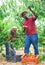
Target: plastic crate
column 30, row 58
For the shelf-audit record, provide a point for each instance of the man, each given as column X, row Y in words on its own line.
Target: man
column 31, row 33
column 8, row 43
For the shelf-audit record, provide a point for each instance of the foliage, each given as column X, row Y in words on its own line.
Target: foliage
column 10, row 16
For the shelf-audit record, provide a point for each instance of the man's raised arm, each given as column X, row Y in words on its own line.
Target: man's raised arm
column 35, row 14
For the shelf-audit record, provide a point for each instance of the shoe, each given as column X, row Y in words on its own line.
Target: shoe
column 37, row 56
column 25, row 55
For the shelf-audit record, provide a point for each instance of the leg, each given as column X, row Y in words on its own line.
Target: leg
column 27, row 44
column 7, row 50
column 13, row 52
column 34, row 39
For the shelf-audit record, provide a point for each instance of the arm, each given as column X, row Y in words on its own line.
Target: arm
column 35, row 15
column 24, row 28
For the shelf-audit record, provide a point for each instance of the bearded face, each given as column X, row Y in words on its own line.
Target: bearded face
column 13, row 32
column 25, row 16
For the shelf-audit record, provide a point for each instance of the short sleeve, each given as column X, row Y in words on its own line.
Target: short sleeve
column 33, row 18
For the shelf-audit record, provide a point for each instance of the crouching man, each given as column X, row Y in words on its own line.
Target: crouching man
column 10, row 51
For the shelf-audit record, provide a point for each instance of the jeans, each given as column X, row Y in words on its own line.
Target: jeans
column 7, row 49
column 31, row 39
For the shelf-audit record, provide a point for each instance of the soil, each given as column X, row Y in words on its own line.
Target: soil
column 4, row 62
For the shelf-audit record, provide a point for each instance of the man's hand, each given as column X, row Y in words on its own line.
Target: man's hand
column 29, row 7
column 10, row 49
column 24, row 28
column 35, row 14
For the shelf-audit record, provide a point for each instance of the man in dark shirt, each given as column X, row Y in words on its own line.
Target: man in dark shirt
column 8, row 40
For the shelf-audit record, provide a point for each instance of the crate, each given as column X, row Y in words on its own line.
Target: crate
column 30, row 58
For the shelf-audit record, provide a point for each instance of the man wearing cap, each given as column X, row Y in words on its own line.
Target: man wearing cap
column 8, row 43
column 30, row 30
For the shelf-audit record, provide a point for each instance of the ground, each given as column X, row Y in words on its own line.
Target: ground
column 4, row 62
